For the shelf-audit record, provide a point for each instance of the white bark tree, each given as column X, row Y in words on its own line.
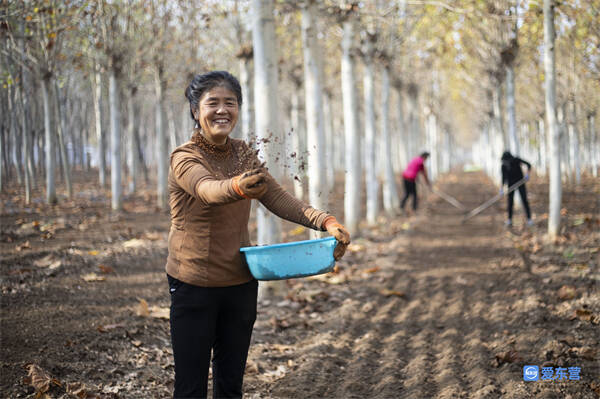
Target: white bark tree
column 555, row 191
column 352, row 189
column 115, row 137
column 315, row 129
column 391, row 201
column 61, row 132
column 247, row 109
column 50, row 151
column 594, row 149
column 132, row 149
column 330, row 166
column 266, row 105
column 298, row 142
column 372, row 184
column 97, row 100
column 573, row 138
column 24, row 86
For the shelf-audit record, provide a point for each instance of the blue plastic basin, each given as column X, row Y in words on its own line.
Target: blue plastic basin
column 291, row 259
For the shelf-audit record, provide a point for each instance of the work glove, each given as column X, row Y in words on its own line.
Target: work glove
column 501, row 192
column 526, row 176
column 251, row 184
column 341, row 235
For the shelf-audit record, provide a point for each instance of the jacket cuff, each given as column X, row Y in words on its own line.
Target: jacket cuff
column 236, row 187
column 327, row 221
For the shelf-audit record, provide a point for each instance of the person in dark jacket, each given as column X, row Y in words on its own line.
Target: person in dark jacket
column 511, row 174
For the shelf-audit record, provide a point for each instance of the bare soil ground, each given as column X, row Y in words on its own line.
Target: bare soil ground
column 423, row 306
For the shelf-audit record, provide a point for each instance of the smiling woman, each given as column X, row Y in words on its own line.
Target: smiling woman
column 217, row 114
column 212, row 179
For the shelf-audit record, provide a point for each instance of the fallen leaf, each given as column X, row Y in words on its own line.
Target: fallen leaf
column 106, row 269
column 39, row 379
column 355, row 248
column 143, row 309
column 566, row 292
column 251, row 367
column 586, row 352
column 48, row 261
column 583, row 314
column 136, row 343
column 386, row 292
column 90, row 277
column 109, row 327
column 153, row 236
column 372, row 270
column 159, row 313
column 23, row 246
column 336, row 279
column 77, row 389
column 134, row 243
column 276, row 374
column 93, row 253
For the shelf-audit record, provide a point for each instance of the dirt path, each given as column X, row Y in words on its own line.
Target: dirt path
column 423, row 307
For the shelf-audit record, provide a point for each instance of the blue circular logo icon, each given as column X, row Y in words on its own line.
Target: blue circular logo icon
column 531, row 373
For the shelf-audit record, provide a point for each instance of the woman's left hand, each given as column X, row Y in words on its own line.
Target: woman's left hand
column 341, row 235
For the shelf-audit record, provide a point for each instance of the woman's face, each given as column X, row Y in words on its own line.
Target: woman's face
column 217, row 114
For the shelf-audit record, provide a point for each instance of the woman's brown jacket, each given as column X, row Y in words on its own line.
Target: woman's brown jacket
column 209, row 220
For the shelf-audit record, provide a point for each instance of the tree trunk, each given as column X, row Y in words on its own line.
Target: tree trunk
column 574, row 143
column 25, row 132
column 60, row 128
column 173, row 138
column 2, row 156
column 510, row 110
column 401, row 158
column 352, row 205
column 563, row 143
column 115, row 140
column 432, row 145
column 298, row 143
column 329, row 144
column 541, row 148
column 247, row 106
column 265, row 98
column 391, row 202
column 555, row 191
column 497, row 114
column 414, row 128
column 315, row 130
column 372, row 185
column 97, row 98
column 594, row 147
column 49, row 147
column 17, row 140
column 132, row 153
column 162, row 162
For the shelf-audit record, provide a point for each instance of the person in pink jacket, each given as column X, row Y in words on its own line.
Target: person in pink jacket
column 414, row 167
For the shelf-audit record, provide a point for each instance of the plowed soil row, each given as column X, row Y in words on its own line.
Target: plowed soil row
column 424, row 306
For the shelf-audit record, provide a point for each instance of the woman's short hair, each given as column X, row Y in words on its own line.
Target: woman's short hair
column 206, row 81
column 424, row 154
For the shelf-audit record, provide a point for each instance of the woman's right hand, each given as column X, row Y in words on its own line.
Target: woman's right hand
column 252, row 183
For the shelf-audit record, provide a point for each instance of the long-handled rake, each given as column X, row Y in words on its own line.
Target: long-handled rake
column 493, row 200
column 450, row 199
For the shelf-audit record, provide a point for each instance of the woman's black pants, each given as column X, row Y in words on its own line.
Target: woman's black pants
column 523, row 194
column 205, row 320
column 410, row 188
